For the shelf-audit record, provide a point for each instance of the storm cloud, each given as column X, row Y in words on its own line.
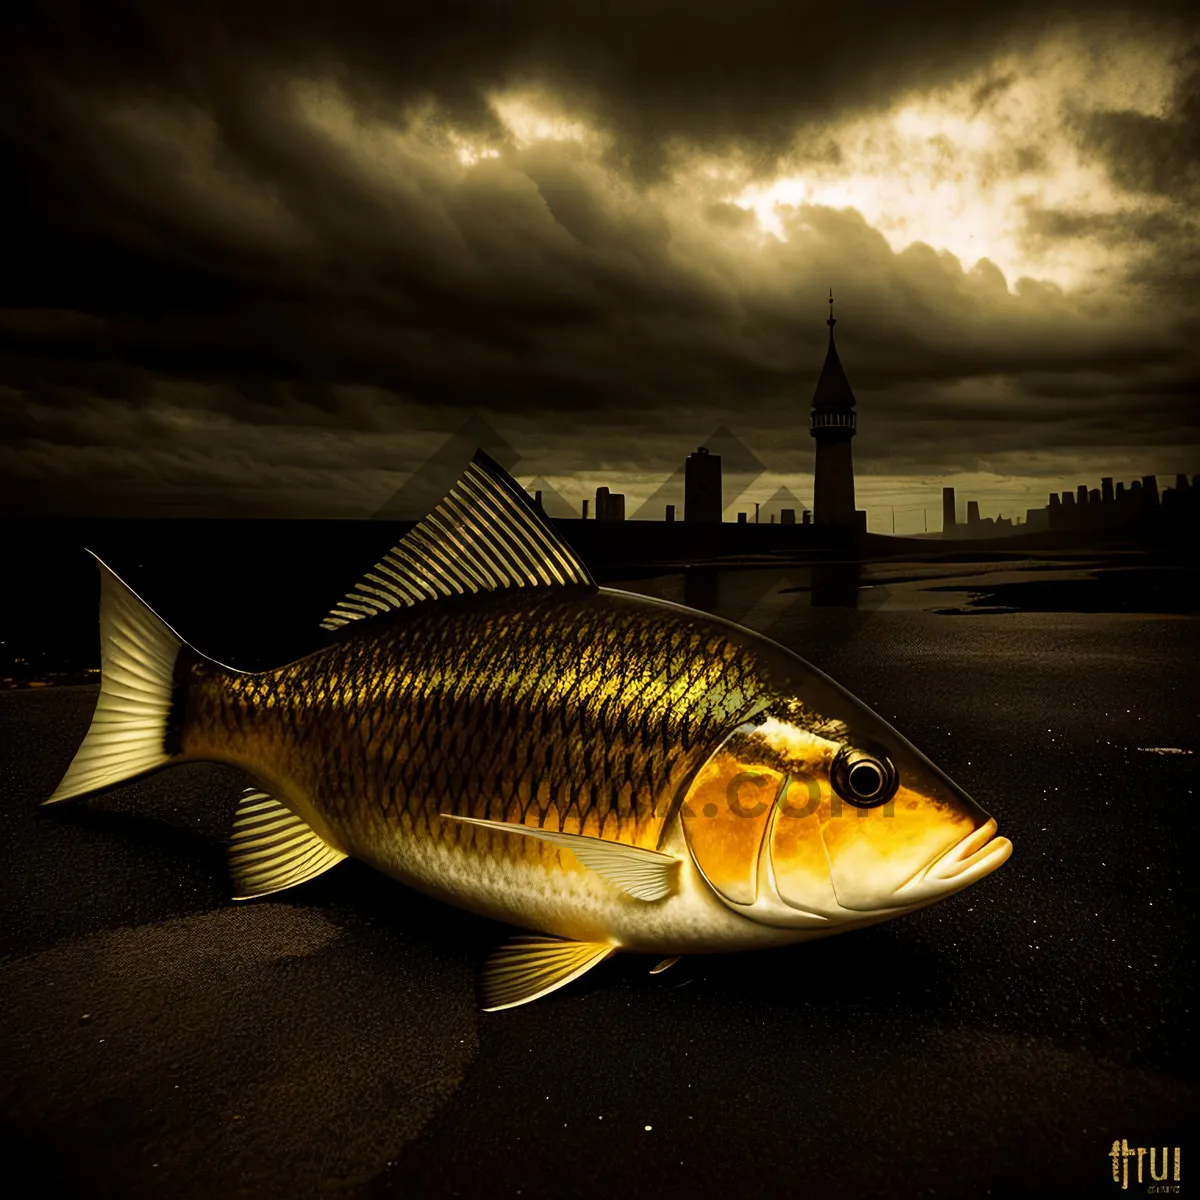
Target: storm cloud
column 265, row 258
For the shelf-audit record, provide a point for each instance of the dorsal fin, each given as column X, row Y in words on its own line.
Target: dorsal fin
column 484, row 536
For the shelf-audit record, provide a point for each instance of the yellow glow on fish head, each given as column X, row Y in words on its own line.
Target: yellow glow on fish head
column 897, row 832
column 804, row 820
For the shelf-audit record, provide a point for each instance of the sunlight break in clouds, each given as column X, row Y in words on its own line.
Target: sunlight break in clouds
column 961, row 168
column 528, row 118
column 964, row 169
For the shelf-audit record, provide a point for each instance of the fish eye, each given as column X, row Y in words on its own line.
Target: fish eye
column 863, row 777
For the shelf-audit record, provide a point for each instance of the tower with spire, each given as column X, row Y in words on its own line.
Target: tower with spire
column 833, row 425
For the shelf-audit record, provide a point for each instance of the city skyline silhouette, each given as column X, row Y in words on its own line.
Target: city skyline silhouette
column 833, row 423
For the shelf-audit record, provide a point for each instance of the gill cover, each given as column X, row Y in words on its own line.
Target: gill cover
column 801, row 818
column 728, row 811
column 765, row 770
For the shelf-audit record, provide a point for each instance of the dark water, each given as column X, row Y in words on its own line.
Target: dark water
column 326, row 1041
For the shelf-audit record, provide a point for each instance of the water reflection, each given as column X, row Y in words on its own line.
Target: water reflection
column 701, row 588
column 827, row 585
column 836, row 584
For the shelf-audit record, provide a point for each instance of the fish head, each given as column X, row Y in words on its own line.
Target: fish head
column 816, row 813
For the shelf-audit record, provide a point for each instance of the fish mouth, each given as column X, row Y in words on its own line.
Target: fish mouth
column 977, row 855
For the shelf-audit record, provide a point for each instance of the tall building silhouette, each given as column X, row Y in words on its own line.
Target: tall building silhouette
column 702, row 499
column 610, row 506
column 740, row 470
column 949, row 520
column 833, row 425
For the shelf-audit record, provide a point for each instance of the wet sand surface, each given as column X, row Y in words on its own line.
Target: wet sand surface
column 161, row 1041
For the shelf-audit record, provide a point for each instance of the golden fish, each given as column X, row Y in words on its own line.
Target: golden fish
column 488, row 726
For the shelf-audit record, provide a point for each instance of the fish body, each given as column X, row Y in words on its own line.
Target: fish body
column 577, row 710
column 607, row 770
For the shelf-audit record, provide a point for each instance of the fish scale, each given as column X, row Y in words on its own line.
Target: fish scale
column 402, row 711
column 492, row 728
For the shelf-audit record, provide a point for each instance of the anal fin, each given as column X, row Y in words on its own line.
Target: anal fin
column 665, row 965
column 531, row 966
column 273, row 849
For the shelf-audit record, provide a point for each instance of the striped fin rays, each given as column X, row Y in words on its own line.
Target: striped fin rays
column 484, row 536
column 273, row 849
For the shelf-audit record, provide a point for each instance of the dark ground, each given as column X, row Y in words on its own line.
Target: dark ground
column 161, row 1041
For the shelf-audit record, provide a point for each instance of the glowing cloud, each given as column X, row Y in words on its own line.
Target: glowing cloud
column 962, row 169
column 529, row 118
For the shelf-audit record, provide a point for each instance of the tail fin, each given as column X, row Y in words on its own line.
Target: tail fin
column 129, row 728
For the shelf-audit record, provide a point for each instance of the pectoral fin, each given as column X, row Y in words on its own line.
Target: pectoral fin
column 529, row 967
column 645, row 874
column 273, row 849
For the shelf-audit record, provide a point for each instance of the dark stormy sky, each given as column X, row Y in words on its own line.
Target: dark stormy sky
column 264, row 258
